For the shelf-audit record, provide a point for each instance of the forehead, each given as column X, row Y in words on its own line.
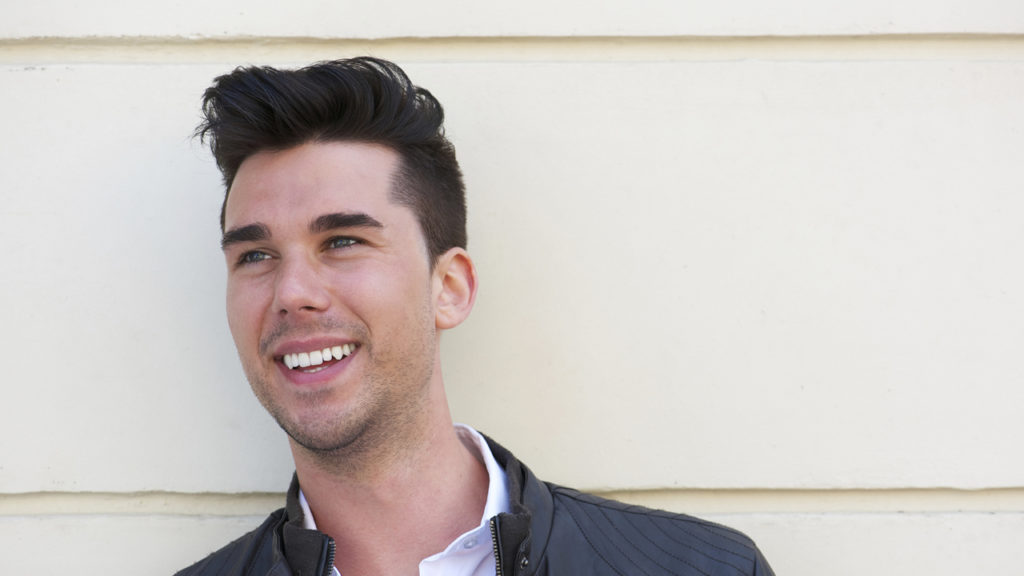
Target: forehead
column 277, row 186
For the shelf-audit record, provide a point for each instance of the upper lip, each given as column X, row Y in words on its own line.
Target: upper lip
column 297, row 347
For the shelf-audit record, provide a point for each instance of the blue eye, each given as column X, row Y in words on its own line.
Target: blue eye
column 341, row 242
column 253, row 257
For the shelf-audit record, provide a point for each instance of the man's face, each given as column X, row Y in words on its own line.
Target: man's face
column 329, row 292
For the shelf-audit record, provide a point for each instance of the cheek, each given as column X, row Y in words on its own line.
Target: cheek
column 244, row 311
column 388, row 291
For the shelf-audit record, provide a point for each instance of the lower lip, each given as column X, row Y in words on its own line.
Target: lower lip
column 322, row 376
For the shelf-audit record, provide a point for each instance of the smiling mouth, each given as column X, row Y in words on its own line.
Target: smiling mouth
column 316, row 360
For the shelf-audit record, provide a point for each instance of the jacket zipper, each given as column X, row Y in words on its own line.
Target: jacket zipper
column 329, row 565
column 497, row 549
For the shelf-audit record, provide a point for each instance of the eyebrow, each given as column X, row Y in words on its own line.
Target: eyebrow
column 249, row 233
column 343, row 220
column 258, row 231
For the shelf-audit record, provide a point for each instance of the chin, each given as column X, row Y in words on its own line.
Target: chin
column 320, row 433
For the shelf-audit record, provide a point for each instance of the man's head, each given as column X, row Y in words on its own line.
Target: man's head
column 343, row 234
column 364, row 100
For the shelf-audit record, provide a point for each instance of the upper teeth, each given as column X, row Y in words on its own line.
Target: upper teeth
column 317, row 357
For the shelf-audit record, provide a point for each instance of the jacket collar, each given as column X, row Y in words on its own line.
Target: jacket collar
column 309, row 552
column 522, row 535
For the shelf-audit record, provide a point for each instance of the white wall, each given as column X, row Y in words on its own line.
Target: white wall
column 757, row 264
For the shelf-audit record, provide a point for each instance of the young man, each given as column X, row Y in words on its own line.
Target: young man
column 344, row 236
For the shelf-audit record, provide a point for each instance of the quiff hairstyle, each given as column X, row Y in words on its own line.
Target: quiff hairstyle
column 364, row 99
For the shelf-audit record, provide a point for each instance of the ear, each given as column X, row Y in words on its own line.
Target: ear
column 454, row 288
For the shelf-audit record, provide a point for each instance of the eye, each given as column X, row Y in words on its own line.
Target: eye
column 340, row 242
column 252, row 257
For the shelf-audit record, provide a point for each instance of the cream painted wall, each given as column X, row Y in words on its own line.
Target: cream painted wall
column 465, row 18
column 753, row 274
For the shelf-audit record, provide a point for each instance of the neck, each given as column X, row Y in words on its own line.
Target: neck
column 404, row 501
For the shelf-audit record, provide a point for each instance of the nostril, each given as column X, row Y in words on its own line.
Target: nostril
column 299, row 289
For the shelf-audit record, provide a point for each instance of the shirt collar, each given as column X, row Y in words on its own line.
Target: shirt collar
column 497, row 483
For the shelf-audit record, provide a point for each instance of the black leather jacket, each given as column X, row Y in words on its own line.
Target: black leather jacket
column 550, row 531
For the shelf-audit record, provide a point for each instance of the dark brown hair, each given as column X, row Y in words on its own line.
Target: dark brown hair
column 360, row 100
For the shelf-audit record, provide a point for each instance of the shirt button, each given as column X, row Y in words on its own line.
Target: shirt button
column 469, row 543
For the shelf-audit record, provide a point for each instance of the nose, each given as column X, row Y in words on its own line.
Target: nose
column 299, row 287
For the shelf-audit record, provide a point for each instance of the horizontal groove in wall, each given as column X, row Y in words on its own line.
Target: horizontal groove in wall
column 690, row 501
column 140, row 503
column 172, row 50
column 829, row 501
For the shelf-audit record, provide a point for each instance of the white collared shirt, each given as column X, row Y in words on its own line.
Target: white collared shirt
column 471, row 554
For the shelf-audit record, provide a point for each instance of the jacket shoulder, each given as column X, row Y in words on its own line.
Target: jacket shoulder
column 252, row 553
column 602, row 536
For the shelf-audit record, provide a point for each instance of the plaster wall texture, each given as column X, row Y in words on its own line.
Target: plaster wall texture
column 747, row 277
column 401, row 18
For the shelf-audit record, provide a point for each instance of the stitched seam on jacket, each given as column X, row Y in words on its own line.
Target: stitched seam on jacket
column 614, row 541
column 597, row 551
column 690, row 546
column 697, row 536
column 640, row 550
column 723, row 531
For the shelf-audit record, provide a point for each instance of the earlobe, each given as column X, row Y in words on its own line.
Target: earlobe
column 455, row 288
